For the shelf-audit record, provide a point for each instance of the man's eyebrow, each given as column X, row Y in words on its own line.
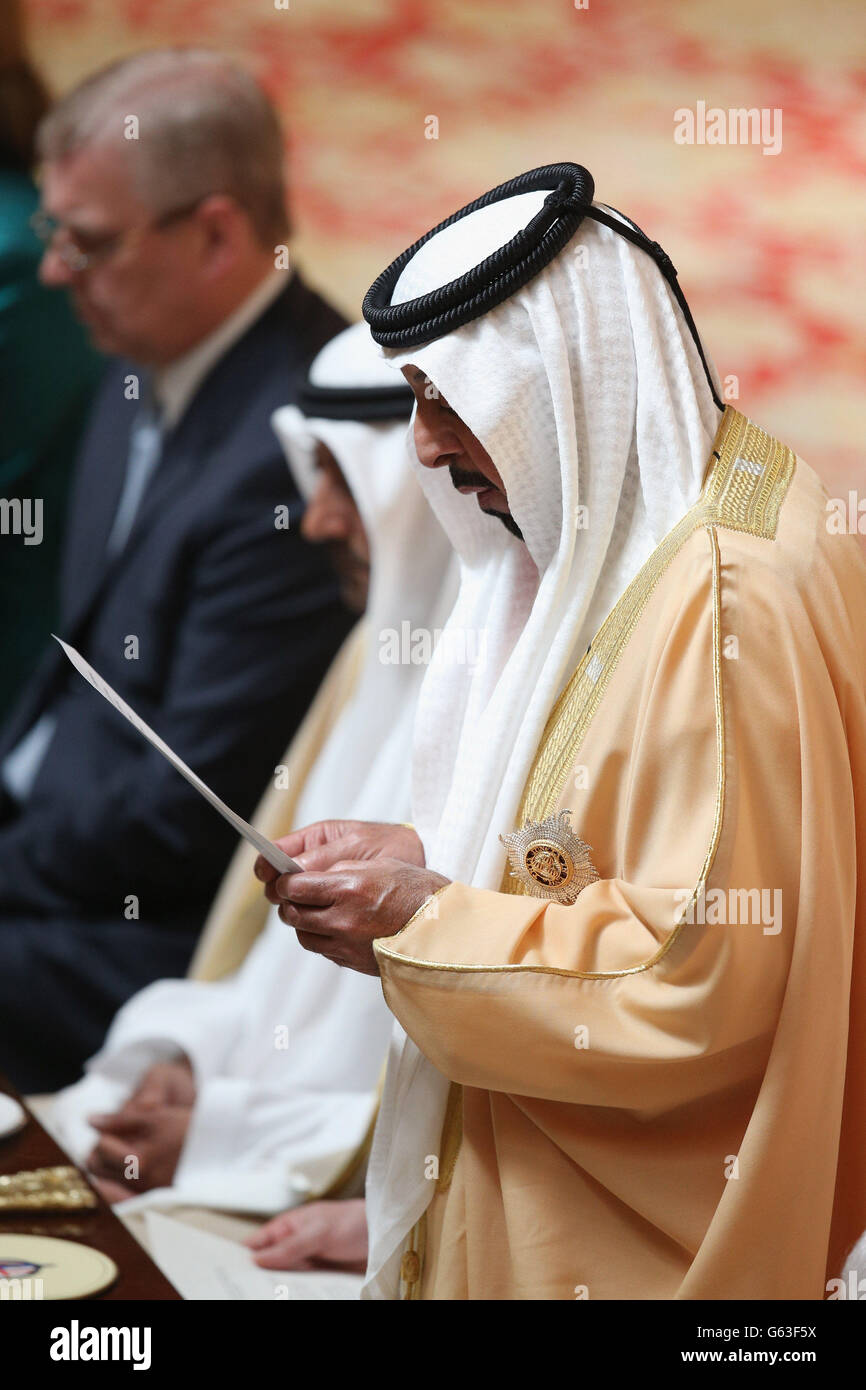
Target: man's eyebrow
column 87, row 229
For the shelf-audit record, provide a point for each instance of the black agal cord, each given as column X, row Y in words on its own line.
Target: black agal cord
column 511, row 266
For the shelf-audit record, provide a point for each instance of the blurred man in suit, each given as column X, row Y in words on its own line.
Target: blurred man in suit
column 185, row 579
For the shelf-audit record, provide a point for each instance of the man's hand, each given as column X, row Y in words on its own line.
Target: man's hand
column 150, row 1127
column 138, row 1148
column 165, row 1083
column 326, row 842
column 340, row 913
column 319, row 1235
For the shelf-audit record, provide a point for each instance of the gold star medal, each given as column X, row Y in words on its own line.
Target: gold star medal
column 549, row 859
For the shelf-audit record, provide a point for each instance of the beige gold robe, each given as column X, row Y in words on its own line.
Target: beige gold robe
column 644, row 1106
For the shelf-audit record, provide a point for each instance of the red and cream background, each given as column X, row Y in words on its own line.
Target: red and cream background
column 769, row 247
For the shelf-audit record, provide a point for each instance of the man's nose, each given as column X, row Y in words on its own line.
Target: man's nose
column 53, row 269
column 436, row 445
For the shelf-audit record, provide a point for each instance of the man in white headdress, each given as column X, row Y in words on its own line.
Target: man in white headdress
column 618, row 1045
column 251, row 1086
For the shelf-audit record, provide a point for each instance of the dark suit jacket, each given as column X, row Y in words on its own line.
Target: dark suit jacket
column 236, row 621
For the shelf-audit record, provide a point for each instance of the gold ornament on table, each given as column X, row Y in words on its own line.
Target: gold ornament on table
column 549, row 860
column 45, row 1189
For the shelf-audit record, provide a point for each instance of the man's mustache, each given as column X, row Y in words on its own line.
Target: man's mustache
column 461, row 478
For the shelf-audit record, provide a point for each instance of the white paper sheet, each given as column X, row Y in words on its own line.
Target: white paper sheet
column 265, row 847
column 203, row 1266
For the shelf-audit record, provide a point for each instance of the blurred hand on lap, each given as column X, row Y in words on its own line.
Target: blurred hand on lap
column 139, row 1146
column 319, row 1235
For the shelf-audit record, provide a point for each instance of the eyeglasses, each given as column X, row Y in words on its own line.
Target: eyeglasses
column 82, row 250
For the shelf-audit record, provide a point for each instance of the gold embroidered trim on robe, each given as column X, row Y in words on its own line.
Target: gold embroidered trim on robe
column 412, row 1262
column 746, row 482
column 452, row 1137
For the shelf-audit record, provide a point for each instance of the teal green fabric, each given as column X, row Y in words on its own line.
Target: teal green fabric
column 48, row 372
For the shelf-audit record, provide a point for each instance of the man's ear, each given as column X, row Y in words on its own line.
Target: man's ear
column 224, row 233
